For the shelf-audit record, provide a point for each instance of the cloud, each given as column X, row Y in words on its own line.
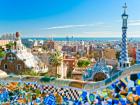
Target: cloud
column 73, row 26
column 134, row 22
column 69, row 26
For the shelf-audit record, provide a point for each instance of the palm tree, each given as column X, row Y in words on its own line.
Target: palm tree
column 55, row 59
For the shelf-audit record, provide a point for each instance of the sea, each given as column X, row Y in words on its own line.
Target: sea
column 133, row 39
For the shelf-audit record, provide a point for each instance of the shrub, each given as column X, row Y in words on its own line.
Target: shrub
column 29, row 72
column 83, row 63
column 47, row 79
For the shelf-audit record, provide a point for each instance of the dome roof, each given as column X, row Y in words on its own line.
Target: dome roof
column 17, row 34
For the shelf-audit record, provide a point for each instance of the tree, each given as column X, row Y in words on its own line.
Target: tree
column 47, row 79
column 10, row 45
column 2, row 53
column 83, row 63
column 55, row 59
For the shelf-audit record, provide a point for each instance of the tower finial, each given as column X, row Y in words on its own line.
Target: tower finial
column 125, row 6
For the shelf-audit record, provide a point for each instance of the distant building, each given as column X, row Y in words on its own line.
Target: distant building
column 109, row 53
column 10, row 37
column 51, row 45
column 70, row 62
column 132, row 52
column 77, row 48
column 91, row 47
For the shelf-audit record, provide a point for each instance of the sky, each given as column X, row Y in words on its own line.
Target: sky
column 61, row 18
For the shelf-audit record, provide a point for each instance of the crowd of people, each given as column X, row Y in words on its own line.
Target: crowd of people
column 122, row 92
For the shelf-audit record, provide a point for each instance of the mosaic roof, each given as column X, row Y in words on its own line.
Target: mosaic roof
column 100, row 66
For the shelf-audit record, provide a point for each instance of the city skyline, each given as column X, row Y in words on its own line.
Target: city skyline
column 62, row 18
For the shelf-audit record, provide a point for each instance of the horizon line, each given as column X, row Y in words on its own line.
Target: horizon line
column 75, row 37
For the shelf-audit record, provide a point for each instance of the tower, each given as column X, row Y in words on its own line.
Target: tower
column 18, row 43
column 124, row 60
column 138, row 54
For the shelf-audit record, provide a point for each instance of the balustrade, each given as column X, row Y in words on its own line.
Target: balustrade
column 90, row 86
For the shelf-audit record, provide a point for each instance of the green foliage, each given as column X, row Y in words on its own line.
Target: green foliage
column 2, row 53
column 29, row 72
column 43, row 74
column 10, row 45
column 55, row 58
column 53, row 78
column 47, row 79
column 58, row 76
column 83, row 63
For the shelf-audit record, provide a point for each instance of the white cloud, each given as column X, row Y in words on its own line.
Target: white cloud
column 134, row 22
column 70, row 26
column 73, row 26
